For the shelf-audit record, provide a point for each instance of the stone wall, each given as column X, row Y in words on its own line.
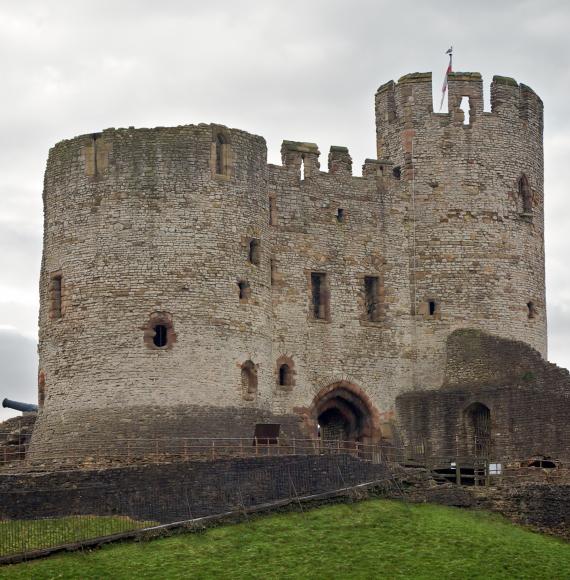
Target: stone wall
column 543, row 506
column 15, row 435
column 528, row 399
column 177, row 491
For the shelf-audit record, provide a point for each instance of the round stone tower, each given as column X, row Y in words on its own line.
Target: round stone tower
column 188, row 289
column 154, row 285
column 476, row 223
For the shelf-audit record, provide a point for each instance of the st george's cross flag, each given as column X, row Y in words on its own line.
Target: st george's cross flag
column 449, row 51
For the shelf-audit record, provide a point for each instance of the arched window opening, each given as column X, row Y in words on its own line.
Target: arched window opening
column 478, row 429
column 159, row 331
column 431, row 307
column 397, row 172
column 284, row 375
column 525, row 194
column 220, row 154
column 244, row 290
column 160, row 338
column 302, row 167
column 254, row 252
column 531, row 310
column 249, row 380
column 340, row 215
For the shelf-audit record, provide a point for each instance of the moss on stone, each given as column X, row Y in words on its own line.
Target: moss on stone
column 465, row 76
column 507, row 81
column 416, row 77
column 300, row 146
column 385, row 87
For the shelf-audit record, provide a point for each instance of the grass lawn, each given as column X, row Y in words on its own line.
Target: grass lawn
column 371, row 539
column 21, row 535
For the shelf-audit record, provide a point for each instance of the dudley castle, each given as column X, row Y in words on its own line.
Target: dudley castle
column 191, row 289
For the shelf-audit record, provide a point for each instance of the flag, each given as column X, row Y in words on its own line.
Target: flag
column 449, row 51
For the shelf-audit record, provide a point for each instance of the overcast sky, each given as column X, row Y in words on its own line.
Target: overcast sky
column 301, row 70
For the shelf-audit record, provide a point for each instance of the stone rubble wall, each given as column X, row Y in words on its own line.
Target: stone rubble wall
column 528, row 399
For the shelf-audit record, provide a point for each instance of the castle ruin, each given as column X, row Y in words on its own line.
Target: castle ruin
column 190, row 289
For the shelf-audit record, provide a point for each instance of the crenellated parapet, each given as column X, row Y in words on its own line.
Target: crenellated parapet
column 408, row 103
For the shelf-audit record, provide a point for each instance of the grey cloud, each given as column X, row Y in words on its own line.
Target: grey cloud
column 19, row 370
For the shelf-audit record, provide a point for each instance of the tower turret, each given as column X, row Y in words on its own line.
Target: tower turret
column 474, row 181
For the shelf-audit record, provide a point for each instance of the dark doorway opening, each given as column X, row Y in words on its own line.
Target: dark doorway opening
column 342, row 416
column 478, row 427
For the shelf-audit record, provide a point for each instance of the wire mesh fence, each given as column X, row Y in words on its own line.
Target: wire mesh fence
column 103, row 491
column 39, row 519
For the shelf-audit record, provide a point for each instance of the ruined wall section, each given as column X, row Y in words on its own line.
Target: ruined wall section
column 142, row 229
column 476, row 252
column 528, row 400
column 346, row 227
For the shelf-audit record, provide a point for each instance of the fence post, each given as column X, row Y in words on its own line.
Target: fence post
column 457, row 473
column 213, row 450
column 294, row 439
column 475, row 474
column 256, row 446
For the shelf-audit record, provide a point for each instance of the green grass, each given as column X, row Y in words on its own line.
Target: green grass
column 371, row 539
column 25, row 535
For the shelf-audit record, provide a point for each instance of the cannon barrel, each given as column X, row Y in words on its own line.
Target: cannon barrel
column 24, row 407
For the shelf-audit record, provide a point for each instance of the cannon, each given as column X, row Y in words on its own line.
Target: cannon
column 24, row 407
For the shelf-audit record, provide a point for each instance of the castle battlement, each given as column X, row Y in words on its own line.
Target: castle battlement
column 410, row 100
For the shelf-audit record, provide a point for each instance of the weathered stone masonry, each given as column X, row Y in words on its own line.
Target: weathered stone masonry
column 179, row 269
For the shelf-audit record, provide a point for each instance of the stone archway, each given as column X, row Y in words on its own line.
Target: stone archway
column 343, row 412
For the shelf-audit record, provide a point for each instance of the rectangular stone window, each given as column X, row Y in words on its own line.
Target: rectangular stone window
column 372, row 298
column 319, row 296
column 55, row 296
column 272, row 210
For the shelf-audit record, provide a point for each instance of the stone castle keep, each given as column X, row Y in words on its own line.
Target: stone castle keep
column 191, row 289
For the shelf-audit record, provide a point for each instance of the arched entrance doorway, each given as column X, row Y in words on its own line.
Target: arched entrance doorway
column 477, row 419
column 343, row 412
